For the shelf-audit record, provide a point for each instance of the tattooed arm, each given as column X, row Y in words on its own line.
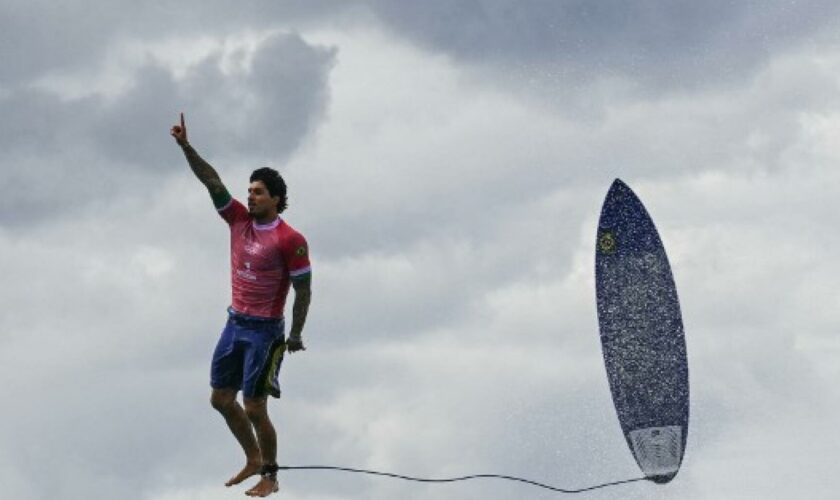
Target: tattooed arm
column 303, row 296
column 205, row 173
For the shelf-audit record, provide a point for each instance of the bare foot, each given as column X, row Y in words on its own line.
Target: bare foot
column 265, row 487
column 250, row 469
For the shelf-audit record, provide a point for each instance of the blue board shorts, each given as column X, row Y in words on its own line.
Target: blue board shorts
column 248, row 356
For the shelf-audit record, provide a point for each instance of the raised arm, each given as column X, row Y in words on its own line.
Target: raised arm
column 205, row 173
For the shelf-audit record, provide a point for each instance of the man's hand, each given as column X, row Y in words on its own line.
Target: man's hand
column 179, row 132
column 294, row 343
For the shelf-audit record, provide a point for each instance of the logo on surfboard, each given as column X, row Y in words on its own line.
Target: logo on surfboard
column 606, row 242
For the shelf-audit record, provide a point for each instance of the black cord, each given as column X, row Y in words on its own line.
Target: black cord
column 454, row 479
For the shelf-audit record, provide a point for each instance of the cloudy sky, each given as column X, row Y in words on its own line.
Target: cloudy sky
column 446, row 161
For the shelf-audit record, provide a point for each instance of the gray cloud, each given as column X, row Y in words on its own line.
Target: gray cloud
column 681, row 44
column 44, row 37
column 276, row 104
column 97, row 147
column 260, row 112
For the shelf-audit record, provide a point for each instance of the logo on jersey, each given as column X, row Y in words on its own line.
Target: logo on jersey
column 301, row 251
column 246, row 273
column 253, row 248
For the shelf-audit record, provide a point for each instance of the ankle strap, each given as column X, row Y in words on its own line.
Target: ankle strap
column 269, row 471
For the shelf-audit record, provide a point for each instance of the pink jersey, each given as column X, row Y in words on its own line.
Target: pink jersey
column 264, row 258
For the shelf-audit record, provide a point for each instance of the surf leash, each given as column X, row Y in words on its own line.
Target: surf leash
column 456, row 479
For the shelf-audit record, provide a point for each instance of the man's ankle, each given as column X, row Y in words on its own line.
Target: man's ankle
column 269, row 471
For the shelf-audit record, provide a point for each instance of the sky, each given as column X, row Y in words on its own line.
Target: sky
column 447, row 162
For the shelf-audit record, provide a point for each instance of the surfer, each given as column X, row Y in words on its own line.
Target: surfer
column 267, row 258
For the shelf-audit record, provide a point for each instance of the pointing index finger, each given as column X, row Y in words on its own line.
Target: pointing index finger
column 182, row 121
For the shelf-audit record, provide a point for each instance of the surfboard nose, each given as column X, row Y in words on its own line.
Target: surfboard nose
column 619, row 185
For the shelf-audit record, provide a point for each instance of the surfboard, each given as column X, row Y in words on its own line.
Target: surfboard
column 642, row 335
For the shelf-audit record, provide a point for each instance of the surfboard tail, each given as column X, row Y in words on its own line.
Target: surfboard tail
column 658, row 451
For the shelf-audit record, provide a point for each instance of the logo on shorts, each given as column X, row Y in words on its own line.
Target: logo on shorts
column 301, row 251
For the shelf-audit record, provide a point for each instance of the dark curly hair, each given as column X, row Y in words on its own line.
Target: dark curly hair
column 274, row 183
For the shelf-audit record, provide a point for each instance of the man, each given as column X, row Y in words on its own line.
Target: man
column 267, row 255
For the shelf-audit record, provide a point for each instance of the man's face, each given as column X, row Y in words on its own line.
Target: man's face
column 260, row 202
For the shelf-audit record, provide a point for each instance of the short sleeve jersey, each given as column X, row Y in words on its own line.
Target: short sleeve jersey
column 264, row 259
